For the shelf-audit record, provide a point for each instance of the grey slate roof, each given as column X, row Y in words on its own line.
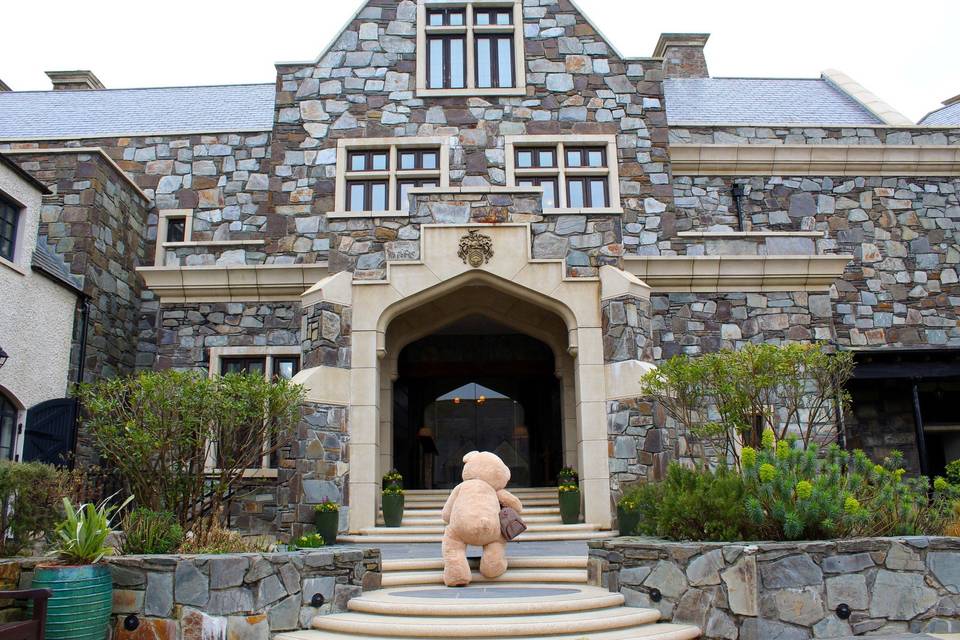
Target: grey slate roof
column 761, row 101
column 113, row 112
column 948, row 115
column 51, row 265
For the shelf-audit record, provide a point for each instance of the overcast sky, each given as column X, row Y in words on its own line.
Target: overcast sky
column 908, row 53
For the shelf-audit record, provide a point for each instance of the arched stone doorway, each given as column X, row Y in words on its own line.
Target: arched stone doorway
column 418, row 298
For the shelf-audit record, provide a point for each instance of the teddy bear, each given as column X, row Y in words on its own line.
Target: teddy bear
column 472, row 516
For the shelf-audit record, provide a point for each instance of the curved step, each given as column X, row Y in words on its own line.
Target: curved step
column 400, row 578
column 660, row 631
column 521, row 562
column 480, row 627
column 480, row 601
column 536, row 527
column 417, row 520
column 437, row 503
column 401, row 536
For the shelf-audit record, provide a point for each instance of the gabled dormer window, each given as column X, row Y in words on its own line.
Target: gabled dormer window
column 470, row 48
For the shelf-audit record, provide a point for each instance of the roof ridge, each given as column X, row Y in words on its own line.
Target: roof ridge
column 113, row 89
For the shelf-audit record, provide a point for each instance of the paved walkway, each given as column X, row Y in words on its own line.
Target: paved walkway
column 395, row 551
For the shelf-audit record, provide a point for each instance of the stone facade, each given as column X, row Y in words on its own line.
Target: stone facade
column 253, row 596
column 259, row 199
column 789, row 590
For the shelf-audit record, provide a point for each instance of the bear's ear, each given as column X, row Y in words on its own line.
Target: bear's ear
column 469, row 455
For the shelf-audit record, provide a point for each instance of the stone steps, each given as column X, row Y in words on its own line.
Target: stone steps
column 403, row 578
column 395, row 601
column 522, row 562
column 398, row 535
column 648, row 632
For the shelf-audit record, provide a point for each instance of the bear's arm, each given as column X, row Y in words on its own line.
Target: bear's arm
column 448, row 507
column 507, row 499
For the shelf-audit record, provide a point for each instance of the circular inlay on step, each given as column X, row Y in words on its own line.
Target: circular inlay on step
column 467, row 593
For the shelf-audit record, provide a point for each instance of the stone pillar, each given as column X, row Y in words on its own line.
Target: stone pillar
column 637, row 441
column 318, row 464
column 683, row 55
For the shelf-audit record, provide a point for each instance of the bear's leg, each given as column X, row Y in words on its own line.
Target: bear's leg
column 494, row 561
column 456, row 569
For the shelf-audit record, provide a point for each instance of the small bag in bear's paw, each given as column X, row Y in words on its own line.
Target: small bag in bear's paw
column 510, row 524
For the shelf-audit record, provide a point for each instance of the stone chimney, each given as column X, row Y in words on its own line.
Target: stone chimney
column 682, row 55
column 81, row 80
column 4, row 86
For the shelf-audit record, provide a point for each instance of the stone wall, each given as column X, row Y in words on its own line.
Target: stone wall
column 250, row 596
column 364, row 86
column 789, row 590
column 902, row 287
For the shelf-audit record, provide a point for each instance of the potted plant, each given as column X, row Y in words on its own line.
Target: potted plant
column 392, row 504
column 392, row 477
column 568, row 475
column 81, row 583
column 327, row 519
column 628, row 514
column 569, row 495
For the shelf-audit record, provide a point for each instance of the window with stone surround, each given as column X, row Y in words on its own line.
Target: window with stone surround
column 375, row 175
column 9, row 223
column 272, row 363
column 577, row 173
column 471, row 47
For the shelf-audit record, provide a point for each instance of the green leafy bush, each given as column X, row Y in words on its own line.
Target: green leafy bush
column 146, row 531
column 81, row 537
column 692, row 504
column 727, row 398
column 309, row 541
column 953, row 472
column 29, row 494
column 795, row 494
column 160, row 429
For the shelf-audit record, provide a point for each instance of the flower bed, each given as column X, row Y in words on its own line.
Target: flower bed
column 789, row 590
column 250, row 596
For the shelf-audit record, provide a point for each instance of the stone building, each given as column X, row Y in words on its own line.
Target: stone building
column 475, row 225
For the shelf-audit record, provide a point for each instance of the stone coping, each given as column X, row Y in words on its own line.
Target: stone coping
column 737, row 272
column 232, row 283
column 820, row 160
column 842, row 545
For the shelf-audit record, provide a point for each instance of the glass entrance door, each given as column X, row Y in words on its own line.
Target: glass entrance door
column 472, row 417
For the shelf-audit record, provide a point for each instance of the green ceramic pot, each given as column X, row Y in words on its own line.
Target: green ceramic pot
column 392, row 504
column 628, row 521
column 328, row 525
column 82, row 599
column 570, row 507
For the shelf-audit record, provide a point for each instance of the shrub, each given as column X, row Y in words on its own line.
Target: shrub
column 81, row 537
column 568, row 475
column 309, row 541
column 219, row 540
column 29, row 493
column 722, row 398
column 692, row 504
column 146, row 531
column 159, row 429
column 795, row 493
column 389, row 490
column 953, row 472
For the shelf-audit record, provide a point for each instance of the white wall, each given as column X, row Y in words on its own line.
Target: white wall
column 36, row 314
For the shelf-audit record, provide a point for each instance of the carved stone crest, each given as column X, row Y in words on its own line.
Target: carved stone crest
column 476, row 249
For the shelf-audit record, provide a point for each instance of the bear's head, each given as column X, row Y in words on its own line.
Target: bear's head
column 486, row 466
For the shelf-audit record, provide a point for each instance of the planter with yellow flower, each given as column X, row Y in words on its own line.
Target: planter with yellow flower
column 392, row 503
column 569, row 495
column 327, row 519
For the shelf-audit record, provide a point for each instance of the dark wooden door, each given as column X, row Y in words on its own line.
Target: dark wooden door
column 50, row 431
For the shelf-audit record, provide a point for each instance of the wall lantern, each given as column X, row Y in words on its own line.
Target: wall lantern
column 3, row 357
